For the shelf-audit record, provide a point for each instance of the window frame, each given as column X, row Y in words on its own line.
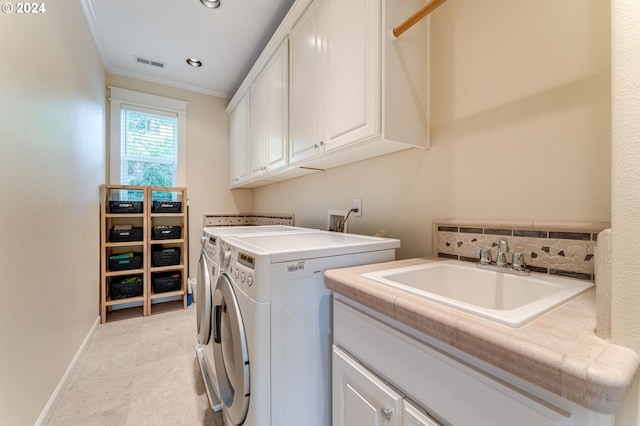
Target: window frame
column 121, row 98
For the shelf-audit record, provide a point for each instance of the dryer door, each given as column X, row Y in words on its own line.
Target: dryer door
column 230, row 351
column 203, row 296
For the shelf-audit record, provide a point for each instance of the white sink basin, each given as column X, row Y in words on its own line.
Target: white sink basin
column 507, row 299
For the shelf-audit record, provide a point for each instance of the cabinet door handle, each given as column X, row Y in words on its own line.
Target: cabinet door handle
column 386, row 413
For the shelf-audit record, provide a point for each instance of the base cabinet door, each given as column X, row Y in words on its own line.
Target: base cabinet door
column 413, row 416
column 360, row 398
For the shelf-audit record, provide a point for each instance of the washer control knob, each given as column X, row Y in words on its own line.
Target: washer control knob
column 242, row 277
column 237, row 273
column 250, row 280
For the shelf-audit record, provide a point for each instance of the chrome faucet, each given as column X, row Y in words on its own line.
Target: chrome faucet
column 503, row 248
column 517, row 266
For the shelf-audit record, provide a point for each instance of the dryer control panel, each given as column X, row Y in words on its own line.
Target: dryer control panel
column 246, row 260
column 240, row 266
column 209, row 246
column 246, row 269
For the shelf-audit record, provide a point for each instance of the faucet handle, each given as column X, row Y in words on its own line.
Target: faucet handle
column 485, row 257
column 503, row 245
column 517, row 261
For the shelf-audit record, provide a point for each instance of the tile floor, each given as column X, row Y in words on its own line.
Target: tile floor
column 138, row 371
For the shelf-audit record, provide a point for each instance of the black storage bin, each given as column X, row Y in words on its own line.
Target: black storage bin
column 125, row 206
column 166, row 207
column 165, row 256
column 124, row 261
column 166, row 232
column 166, row 281
column 125, row 235
column 123, row 287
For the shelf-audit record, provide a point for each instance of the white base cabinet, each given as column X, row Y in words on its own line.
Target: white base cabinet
column 360, row 398
column 412, row 416
column 380, row 363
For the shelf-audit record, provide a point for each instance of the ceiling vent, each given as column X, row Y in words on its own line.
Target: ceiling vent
column 149, row 62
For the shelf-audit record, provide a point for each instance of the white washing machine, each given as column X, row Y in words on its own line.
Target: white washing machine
column 271, row 323
column 207, row 276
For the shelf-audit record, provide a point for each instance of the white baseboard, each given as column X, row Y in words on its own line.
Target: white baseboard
column 45, row 415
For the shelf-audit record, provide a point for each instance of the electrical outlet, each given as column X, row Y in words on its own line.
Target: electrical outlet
column 357, row 204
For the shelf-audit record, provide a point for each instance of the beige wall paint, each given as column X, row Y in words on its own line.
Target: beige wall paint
column 520, row 129
column 526, row 89
column 207, row 157
column 625, row 250
column 52, row 143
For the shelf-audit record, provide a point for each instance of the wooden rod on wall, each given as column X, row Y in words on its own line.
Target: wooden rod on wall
column 416, row 17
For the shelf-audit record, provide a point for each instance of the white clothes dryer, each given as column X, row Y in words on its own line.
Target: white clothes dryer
column 271, row 325
column 208, row 272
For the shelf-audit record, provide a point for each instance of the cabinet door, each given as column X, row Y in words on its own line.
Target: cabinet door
column 352, row 63
column 239, row 148
column 360, row 398
column 269, row 114
column 413, row 416
column 259, row 126
column 278, row 108
column 306, row 73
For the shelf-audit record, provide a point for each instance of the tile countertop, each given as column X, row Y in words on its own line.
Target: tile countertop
column 559, row 351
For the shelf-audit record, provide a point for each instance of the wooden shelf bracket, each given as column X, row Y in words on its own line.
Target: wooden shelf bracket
column 415, row 18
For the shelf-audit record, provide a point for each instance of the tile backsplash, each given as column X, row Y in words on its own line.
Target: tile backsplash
column 248, row 219
column 557, row 248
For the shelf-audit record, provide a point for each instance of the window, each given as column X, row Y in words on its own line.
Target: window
column 148, row 139
column 148, row 148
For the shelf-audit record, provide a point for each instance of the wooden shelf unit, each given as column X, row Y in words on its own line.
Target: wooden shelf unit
column 146, row 220
column 169, row 194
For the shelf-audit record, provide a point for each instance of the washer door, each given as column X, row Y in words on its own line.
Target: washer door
column 230, row 352
column 203, row 296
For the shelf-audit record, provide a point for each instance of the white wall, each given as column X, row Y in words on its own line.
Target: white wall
column 520, row 129
column 52, row 162
column 207, row 157
column 625, row 250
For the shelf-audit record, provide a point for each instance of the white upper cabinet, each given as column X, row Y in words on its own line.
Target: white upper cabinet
column 352, row 71
column 306, row 77
column 270, row 115
column 354, row 93
column 239, row 137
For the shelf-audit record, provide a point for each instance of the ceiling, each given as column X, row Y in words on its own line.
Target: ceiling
column 227, row 40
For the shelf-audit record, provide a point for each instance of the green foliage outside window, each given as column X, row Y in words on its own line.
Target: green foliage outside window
column 149, row 152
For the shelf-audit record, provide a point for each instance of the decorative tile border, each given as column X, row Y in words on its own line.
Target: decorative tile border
column 248, row 219
column 564, row 249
